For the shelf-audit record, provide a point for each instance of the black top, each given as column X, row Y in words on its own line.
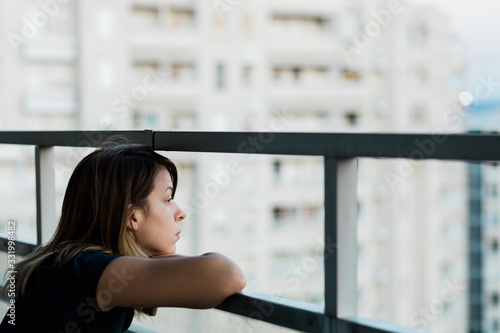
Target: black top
column 63, row 299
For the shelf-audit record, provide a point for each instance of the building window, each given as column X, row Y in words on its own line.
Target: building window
column 418, row 114
column 277, row 171
column 146, row 120
column 59, row 21
column 418, row 34
column 296, row 73
column 291, row 75
column 495, row 326
column 49, row 76
column 142, row 68
column 221, row 76
column 106, row 22
column 286, row 25
column 494, row 246
column 246, row 27
column 218, row 26
column 221, row 224
column 351, row 118
column 277, row 73
column 493, row 190
column 145, row 17
column 106, row 74
column 312, row 214
column 181, row 18
column 160, row 17
column 494, row 218
column 494, row 299
column 246, row 75
column 183, row 72
column 284, row 216
column 183, row 120
column 350, row 76
column 281, row 263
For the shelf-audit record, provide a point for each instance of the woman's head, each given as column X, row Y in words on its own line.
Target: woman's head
column 107, row 201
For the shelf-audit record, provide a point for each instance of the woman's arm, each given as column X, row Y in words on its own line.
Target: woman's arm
column 168, row 255
column 175, row 281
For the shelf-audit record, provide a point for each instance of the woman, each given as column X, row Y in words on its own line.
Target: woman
column 113, row 251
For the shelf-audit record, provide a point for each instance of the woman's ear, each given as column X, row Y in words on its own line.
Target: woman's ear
column 135, row 218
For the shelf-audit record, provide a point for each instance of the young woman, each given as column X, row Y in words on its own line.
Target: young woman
column 113, row 251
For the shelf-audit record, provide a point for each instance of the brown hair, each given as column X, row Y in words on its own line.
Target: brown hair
column 103, row 188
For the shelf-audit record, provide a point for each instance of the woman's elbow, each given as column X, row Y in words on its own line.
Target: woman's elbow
column 229, row 278
column 232, row 280
column 240, row 281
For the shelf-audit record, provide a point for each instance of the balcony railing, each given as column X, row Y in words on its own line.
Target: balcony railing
column 340, row 152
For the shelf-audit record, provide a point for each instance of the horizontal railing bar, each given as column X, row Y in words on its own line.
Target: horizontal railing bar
column 341, row 145
column 302, row 316
column 367, row 325
column 475, row 147
column 70, row 138
column 22, row 248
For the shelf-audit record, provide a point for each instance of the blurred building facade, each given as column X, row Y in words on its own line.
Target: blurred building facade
column 484, row 273
column 484, row 237
column 323, row 66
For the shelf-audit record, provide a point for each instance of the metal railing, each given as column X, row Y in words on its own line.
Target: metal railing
column 340, row 152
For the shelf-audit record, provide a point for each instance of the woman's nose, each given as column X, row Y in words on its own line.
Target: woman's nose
column 180, row 215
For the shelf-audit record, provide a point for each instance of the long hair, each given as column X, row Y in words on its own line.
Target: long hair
column 101, row 192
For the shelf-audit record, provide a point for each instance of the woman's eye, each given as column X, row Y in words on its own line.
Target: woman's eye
column 169, row 200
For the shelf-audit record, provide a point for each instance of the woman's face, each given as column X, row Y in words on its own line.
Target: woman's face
column 158, row 228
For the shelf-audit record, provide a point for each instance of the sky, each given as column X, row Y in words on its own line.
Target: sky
column 476, row 23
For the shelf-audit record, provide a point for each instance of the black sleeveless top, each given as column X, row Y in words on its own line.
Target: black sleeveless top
column 63, row 299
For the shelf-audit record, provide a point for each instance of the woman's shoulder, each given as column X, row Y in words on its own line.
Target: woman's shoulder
column 94, row 257
column 86, row 261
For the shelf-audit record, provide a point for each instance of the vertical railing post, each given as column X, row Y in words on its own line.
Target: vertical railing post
column 45, row 194
column 340, row 240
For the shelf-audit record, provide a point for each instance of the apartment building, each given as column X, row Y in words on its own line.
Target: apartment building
column 323, row 66
column 483, row 251
column 484, row 234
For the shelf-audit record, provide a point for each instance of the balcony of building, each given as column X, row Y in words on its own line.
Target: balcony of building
column 339, row 153
column 173, row 25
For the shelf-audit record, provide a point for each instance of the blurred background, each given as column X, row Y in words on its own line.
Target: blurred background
column 428, row 232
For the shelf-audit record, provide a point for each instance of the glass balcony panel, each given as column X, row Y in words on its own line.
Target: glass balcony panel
column 412, row 238
column 194, row 321
column 17, row 192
